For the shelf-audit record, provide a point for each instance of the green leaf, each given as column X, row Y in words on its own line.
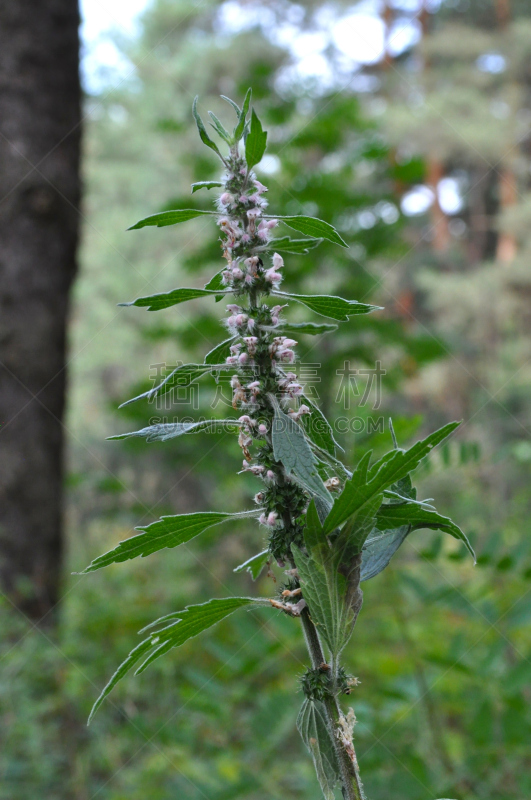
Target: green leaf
column 219, row 128
column 219, row 353
column 235, row 106
column 255, row 143
column 293, row 451
column 295, row 246
column 205, row 185
column 331, row 307
column 313, row 728
column 242, row 116
column 357, row 529
column 379, row 550
column 309, row 328
column 416, row 516
column 170, row 430
column 191, row 622
column 167, row 532
column 365, row 485
column 156, row 302
column 216, row 283
column 316, row 228
column 181, row 377
column 205, row 138
column 172, row 217
column 255, row 564
column 317, row 427
column 325, row 591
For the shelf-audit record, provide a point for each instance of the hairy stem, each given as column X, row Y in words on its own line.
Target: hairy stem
column 350, row 779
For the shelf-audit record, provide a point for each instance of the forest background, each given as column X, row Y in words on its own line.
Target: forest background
column 407, row 126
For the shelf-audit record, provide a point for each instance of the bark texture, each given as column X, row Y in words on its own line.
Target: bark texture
column 39, row 199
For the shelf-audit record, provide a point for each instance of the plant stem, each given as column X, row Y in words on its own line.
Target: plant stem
column 350, row 779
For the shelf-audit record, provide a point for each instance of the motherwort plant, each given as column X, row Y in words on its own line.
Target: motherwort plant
column 327, row 527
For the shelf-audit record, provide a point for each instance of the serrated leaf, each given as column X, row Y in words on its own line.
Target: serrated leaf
column 255, row 564
column 331, row 307
column 416, row 516
column 167, row 532
column 396, row 520
column 313, row 728
column 366, row 484
column 308, row 328
column 316, row 228
column 205, row 138
column 205, row 185
column 192, row 621
column 181, row 377
column 317, row 427
column 293, row 451
column 156, row 302
column 296, row 246
column 238, row 130
column 256, row 141
column 173, row 217
column 170, row 430
column 325, row 590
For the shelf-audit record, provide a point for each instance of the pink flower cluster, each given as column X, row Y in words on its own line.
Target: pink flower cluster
column 229, row 205
column 245, row 358
column 243, row 272
column 281, row 350
column 244, row 395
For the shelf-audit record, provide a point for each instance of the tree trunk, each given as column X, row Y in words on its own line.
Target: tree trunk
column 39, row 198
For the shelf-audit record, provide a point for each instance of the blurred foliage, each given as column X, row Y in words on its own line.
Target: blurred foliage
column 441, row 648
